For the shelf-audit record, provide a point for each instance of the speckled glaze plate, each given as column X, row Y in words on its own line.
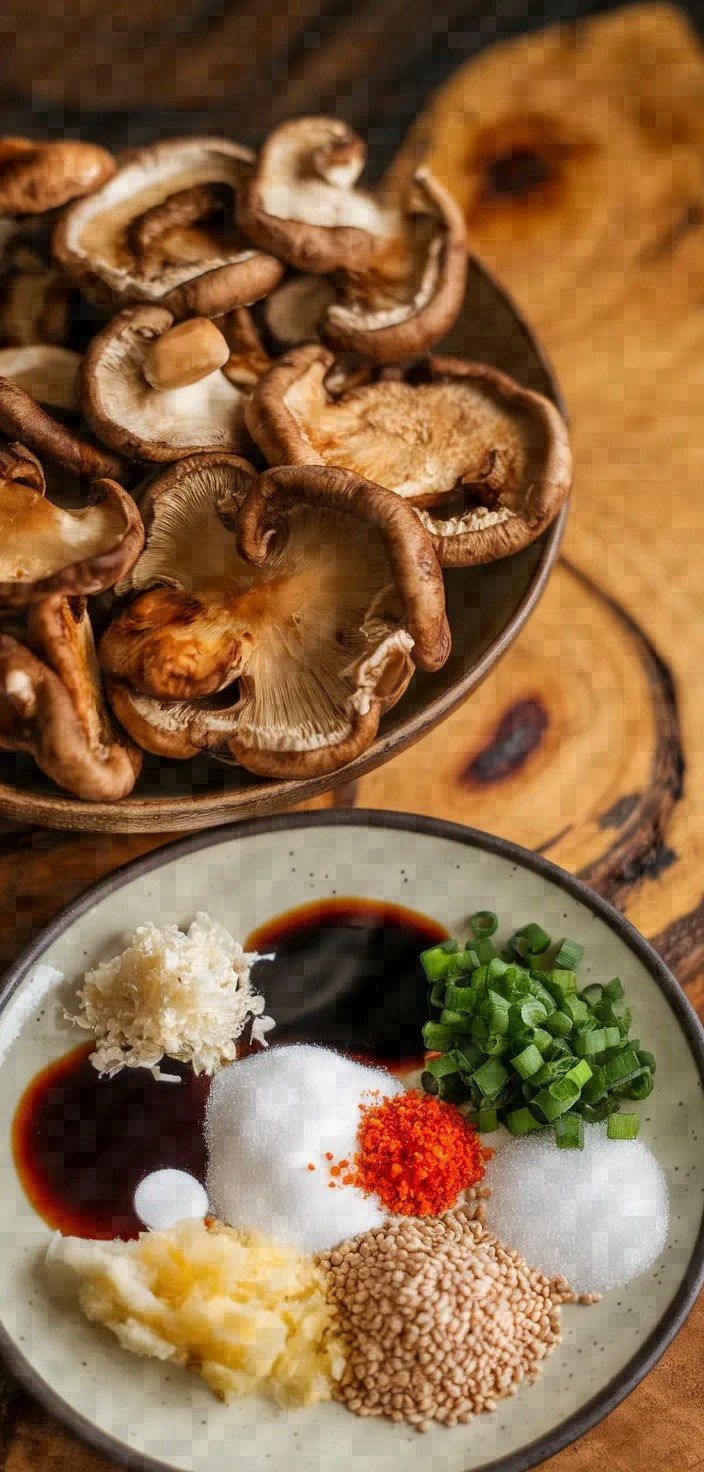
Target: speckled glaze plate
column 147, row 1416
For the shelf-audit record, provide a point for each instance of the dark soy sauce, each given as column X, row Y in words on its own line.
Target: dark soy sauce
column 83, row 1143
column 346, row 974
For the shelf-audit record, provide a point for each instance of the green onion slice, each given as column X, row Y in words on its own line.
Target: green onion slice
column 623, row 1126
column 483, row 923
column 569, row 955
column 569, row 1132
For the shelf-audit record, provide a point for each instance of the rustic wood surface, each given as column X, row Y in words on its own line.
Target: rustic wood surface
column 577, row 156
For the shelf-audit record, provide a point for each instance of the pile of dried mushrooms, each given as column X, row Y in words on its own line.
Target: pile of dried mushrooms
column 230, row 471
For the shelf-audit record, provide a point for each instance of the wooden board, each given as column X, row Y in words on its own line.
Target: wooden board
column 588, row 741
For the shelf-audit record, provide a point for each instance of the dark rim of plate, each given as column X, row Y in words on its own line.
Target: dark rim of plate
column 693, row 1278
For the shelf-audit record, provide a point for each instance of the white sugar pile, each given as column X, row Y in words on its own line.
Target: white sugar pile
column 598, row 1216
column 269, row 1119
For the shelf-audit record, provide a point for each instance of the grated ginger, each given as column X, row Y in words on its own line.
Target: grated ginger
column 184, row 995
column 249, row 1317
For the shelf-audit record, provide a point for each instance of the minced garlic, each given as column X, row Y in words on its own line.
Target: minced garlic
column 249, row 1317
column 186, row 996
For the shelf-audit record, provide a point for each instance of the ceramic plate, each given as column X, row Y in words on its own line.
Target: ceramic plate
column 486, row 607
column 152, row 1417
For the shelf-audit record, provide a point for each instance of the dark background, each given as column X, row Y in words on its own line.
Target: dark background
column 158, row 67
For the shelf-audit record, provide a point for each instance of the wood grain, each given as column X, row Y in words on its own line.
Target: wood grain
column 587, row 742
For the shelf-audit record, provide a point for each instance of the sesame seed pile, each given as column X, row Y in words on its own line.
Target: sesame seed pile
column 440, row 1320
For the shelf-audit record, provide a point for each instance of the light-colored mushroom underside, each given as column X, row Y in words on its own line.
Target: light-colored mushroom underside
column 205, row 414
column 97, row 230
column 38, row 539
column 419, row 440
column 46, row 372
column 317, row 624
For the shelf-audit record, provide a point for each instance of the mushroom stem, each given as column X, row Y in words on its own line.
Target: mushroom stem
column 414, row 566
column 185, row 354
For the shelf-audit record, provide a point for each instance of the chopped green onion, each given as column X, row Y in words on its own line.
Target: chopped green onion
column 592, row 994
column 530, row 942
column 521, row 1121
column 553, row 1104
column 528, row 1062
column 623, row 1126
column 437, row 995
column 487, row 1121
column 588, row 1042
column 439, row 1067
column 480, row 1029
column 576, row 1009
column 569, row 955
column 496, row 1045
column 483, row 923
column 486, row 951
column 580, row 1074
column 569, row 1132
column 641, row 1086
column 558, row 1023
column 455, row 1020
column 646, row 1059
column 437, row 1038
column 436, row 961
column 490, row 1078
column 541, row 1039
column 621, row 1069
column 613, row 991
column 459, row 998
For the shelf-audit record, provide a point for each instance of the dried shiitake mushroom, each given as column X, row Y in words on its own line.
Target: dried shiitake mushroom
column 46, row 550
column 23, row 418
column 164, row 230
column 403, row 262
column 486, row 463
column 34, row 306
column 48, row 373
column 52, row 704
column 38, row 177
column 138, row 391
column 309, row 593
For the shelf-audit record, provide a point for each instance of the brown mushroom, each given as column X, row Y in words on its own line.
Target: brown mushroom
column 409, row 296
column 37, row 177
column 52, row 704
column 47, row 372
column 46, row 550
column 486, row 463
column 403, row 260
column 34, row 305
column 18, row 463
column 248, row 358
column 126, row 411
column 163, row 230
column 302, row 204
column 22, row 418
column 311, row 618
column 294, row 311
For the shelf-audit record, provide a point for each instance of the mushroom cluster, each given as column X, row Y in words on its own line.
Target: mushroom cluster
column 231, row 470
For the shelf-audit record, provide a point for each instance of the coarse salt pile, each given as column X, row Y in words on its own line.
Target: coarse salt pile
column 184, row 995
column 275, row 1124
column 439, row 1319
column 598, row 1215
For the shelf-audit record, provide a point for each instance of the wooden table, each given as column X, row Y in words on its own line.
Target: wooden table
column 588, row 742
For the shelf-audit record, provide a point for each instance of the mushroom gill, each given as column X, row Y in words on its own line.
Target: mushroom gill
column 485, row 462
column 45, row 549
column 308, row 597
column 164, row 229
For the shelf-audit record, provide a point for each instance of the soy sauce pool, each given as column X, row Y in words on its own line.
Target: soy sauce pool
column 346, row 974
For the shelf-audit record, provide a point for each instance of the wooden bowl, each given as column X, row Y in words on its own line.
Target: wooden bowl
column 487, row 607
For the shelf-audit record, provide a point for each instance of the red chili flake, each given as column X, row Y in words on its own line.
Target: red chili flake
column 329, row 1155
column 416, row 1153
column 311, row 1166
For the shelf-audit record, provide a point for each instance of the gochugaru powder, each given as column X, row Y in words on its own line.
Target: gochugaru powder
column 416, row 1153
